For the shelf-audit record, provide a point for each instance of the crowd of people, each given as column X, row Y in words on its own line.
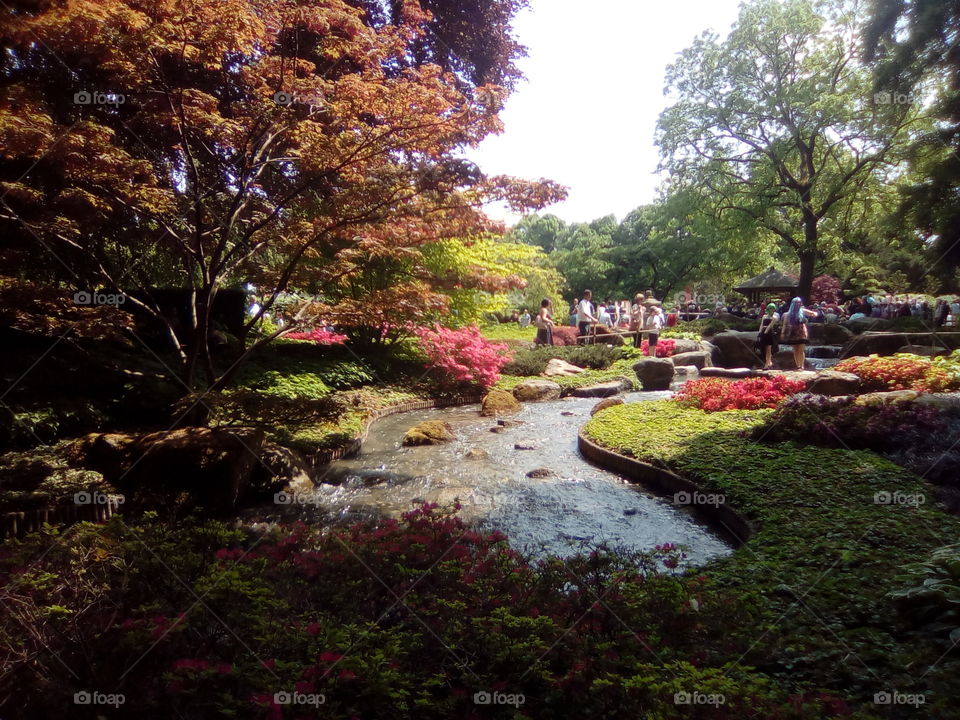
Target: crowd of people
column 780, row 323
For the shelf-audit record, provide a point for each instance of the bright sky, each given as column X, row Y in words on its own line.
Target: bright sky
column 586, row 115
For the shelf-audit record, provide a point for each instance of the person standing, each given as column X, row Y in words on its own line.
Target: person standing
column 636, row 318
column 794, row 330
column 768, row 336
column 585, row 316
column 653, row 324
column 544, row 323
column 524, row 318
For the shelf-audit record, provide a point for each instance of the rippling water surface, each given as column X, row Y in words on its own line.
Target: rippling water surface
column 578, row 504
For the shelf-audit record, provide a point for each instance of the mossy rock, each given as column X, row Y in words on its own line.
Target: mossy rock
column 499, row 402
column 431, row 432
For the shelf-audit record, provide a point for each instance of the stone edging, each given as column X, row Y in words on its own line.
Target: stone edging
column 723, row 518
column 325, row 457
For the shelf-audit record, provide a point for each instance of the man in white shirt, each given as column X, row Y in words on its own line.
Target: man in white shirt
column 585, row 317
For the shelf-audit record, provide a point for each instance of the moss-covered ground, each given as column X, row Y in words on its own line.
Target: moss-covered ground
column 824, row 556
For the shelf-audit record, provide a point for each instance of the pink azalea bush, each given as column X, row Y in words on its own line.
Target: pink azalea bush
column 321, row 336
column 462, row 356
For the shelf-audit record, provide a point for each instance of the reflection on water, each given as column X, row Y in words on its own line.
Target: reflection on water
column 576, row 504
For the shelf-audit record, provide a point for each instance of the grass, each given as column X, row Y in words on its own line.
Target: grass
column 825, row 554
column 509, row 331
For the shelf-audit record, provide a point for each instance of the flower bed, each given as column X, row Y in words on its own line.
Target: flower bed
column 719, row 394
column 222, row 622
column 902, row 371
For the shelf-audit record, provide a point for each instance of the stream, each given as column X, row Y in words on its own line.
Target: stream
column 578, row 506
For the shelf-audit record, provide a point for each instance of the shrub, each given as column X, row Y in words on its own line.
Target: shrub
column 917, row 436
column 840, row 422
column 902, row 371
column 932, row 599
column 716, row 394
column 565, row 336
column 679, row 334
column 534, row 362
column 314, row 609
column 463, row 357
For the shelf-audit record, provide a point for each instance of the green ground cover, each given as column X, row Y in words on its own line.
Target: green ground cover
column 825, row 555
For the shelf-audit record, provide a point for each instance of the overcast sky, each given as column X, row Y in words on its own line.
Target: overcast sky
column 585, row 117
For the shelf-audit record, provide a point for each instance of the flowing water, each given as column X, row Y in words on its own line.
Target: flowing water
column 578, row 505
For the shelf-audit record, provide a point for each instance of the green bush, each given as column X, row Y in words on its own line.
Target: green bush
column 932, row 599
column 534, row 362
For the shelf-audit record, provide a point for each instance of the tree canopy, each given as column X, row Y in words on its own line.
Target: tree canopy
column 203, row 143
column 780, row 123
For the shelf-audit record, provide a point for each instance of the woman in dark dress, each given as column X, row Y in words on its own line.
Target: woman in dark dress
column 769, row 334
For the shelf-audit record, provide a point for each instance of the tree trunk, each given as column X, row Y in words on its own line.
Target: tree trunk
column 808, row 255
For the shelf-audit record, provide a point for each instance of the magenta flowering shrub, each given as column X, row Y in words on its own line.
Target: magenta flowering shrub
column 462, row 357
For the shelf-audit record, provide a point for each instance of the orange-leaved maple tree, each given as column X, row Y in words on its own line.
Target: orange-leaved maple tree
column 205, row 143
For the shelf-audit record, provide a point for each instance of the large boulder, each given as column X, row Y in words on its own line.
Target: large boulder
column 730, row 373
column 606, row 403
column 700, row 358
column 194, row 468
column 499, row 402
column 683, row 345
column 735, row 349
column 654, row 373
column 430, row 432
column 870, row 343
column 606, row 389
column 280, row 469
column 536, row 391
column 925, row 350
column 945, row 401
column 830, row 382
column 829, row 334
column 886, row 398
column 560, row 368
column 783, row 360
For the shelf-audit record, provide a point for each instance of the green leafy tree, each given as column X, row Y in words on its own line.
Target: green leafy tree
column 780, row 123
column 913, row 44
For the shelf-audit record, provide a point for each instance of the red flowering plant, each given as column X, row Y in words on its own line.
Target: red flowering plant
column 717, row 394
column 665, row 347
column 902, row 371
column 321, row 336
column 461, row 357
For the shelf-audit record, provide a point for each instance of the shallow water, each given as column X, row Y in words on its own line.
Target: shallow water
column 581, row 505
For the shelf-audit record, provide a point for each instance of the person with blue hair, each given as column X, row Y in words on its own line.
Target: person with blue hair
column 794, row 330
